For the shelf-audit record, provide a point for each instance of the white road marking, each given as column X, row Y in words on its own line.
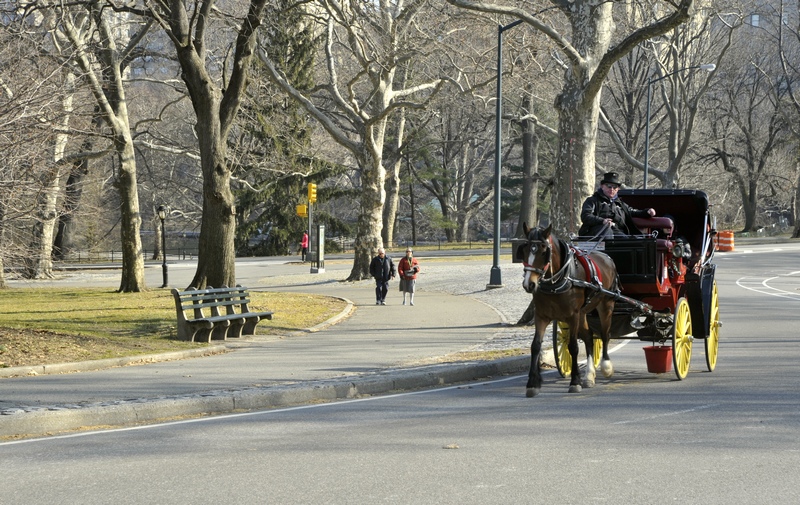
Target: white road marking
column 761, row 285
column 667, row 414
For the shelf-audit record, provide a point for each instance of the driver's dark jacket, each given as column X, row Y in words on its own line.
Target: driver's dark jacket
column 598, row 207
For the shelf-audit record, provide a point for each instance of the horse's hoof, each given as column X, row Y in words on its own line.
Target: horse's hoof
column 588, row 384
column 575, row 388
column 607, row 368
column 531, row 392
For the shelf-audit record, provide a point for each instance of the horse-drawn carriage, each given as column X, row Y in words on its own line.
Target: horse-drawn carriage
column 664, row 288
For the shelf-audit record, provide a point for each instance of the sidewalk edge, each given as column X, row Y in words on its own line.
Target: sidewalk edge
column 52, row 420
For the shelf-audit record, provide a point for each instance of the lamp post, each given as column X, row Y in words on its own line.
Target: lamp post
column 162, row 215
column 708, row 67
column 495, row 275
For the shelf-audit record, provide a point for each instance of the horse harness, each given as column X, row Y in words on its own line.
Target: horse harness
column 563, row 280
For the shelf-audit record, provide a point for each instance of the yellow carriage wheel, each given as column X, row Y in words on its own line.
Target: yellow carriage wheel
column 682, row 338
column 598, row 351
column 561, row 349
column 712, row 340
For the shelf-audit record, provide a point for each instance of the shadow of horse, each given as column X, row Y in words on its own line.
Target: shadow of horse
column 564, row 282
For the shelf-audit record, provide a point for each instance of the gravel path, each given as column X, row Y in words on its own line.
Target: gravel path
column 510, row 300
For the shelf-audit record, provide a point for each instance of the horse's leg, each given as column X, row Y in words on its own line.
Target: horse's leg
column 535, row 374
column 575, row 379
column 591, row 373
column 606, row 310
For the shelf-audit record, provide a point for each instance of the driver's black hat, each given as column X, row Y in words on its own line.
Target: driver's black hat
column 611, row 178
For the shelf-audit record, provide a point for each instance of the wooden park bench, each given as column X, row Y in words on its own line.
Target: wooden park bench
column 215, row 314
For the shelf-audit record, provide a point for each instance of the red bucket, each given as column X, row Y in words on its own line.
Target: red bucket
column 659, row 358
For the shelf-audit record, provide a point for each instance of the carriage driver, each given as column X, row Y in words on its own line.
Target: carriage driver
column 604, row 215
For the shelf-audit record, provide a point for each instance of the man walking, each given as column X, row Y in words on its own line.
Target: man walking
column 382, row 269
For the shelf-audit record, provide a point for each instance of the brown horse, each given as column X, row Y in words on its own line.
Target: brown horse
column 562, row 290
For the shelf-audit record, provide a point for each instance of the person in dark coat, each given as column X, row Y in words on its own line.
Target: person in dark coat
column 604, row 215
column 382, row 269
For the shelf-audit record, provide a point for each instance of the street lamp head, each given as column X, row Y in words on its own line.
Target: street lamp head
column 708, row 67
column 162, row 212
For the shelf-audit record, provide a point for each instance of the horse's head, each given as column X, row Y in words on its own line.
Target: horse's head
column 535, row 255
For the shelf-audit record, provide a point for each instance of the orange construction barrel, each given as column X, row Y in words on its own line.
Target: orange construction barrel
column 725, row 240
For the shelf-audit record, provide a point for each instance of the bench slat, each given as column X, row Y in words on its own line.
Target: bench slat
column 219, row 325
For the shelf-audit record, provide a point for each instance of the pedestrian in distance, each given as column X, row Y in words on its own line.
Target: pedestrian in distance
column 408, row 268
column 304, row 246
column 382, row 269
column 604, row 215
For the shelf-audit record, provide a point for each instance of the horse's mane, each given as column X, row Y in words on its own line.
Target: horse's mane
column 563, row 249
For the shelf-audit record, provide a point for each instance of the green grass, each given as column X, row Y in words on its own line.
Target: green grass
column 99, row 312
column 39, row 326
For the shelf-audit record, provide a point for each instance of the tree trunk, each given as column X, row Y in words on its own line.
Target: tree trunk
column 109, row 91
column 462, row 231
column 529, row 204
column 749, row 193
column 40, row 263
column 370, row 218
column 157, row 238
column 392, row 203
column 66, row 220
column 2, row 240
column 528, row 315
column 574, row 174
column 216, row 262
column 578, row 109
column 796, row 201
column 215, row 108
column 132, row 279
column 393, row 181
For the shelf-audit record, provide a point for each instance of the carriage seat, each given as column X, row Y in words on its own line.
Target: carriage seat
column 664, row 226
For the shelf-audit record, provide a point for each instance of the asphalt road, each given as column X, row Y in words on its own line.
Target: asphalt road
column 730, row 436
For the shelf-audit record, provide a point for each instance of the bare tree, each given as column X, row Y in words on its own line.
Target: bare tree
column 678, row 86
column 789, row 44
column 92, row 33
column 355, row 102
column 31, row 109
column 748, row 124
column 588, row 54
column 215, row 73
column 452, row 153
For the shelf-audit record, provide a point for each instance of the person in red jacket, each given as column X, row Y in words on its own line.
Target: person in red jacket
column 408, row 268
column 304, row 246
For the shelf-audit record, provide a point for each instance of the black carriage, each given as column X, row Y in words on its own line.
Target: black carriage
column 668, row 293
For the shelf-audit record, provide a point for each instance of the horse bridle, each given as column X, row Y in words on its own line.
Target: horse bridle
column 548, row 245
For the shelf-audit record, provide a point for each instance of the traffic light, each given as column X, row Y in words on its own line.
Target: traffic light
column 312, row 192
column 302, row 210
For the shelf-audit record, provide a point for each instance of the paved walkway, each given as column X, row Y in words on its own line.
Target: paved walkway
column 370, row 349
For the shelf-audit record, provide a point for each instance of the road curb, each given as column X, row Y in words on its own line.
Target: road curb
column 102, row 364
column 42, row 421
